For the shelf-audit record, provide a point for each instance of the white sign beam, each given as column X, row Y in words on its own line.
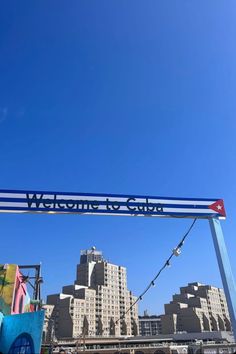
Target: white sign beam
column 109, row 204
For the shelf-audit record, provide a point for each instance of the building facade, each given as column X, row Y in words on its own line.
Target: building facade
column 48, row 326
column 149, row 325
column 197, row 308
column 94, row 304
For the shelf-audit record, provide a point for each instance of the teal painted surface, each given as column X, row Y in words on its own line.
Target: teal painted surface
column 1, row 320
column 14, row 325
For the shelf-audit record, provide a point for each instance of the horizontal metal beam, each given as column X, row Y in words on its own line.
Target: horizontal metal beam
column 109, row 204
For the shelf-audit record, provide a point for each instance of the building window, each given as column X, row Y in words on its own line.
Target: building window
column 22, row 344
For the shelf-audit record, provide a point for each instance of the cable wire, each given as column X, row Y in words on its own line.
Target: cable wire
column 176, row 252
column 166, row 264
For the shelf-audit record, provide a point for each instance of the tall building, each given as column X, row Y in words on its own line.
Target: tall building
column 93, row 305
column 197, row 308
column 149, row 325
column 48, row 326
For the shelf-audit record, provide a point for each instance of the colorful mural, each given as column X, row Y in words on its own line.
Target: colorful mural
column 20, row 326
column 14, row 298
column 7, row 287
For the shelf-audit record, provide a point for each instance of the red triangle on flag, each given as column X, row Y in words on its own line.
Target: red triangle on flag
column 218, row 206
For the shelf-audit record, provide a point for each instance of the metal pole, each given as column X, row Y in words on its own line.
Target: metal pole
column 36, row 287
column 225, row 270
column 84, row 341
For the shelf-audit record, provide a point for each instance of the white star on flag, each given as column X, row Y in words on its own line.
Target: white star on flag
column 218, row 206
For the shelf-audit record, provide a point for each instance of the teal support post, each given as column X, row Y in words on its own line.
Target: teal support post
column 225, row 270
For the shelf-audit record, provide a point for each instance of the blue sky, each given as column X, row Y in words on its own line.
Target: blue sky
column 129, row 97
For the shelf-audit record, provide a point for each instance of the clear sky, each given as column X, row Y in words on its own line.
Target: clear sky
column 129, row 97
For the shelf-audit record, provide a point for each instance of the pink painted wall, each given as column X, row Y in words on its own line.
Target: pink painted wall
column 20, row 295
